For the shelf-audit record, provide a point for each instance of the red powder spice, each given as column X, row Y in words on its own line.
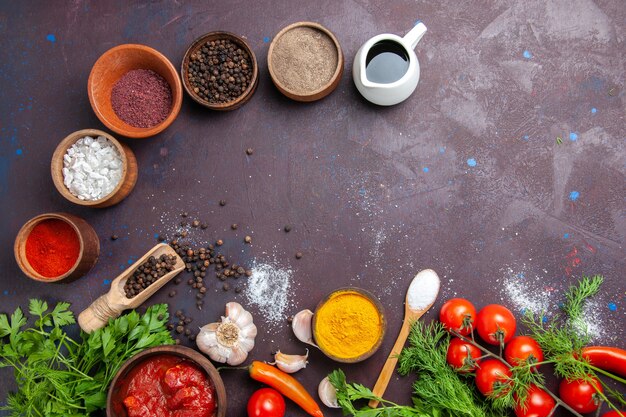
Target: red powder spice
column 141, row 98
column 52, row 248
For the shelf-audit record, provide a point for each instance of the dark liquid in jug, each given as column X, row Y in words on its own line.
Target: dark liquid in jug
column 386, row 62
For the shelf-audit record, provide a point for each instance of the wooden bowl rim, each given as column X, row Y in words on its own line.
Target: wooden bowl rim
column 62, row 148
column 220, row 34
column 381, row 312
column 176, row 350
column 23, row 234
column 336, row 74
column 132, row 131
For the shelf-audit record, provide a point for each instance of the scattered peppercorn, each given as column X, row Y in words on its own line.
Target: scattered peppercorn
column 298, row 255
column 219, row 242
column 180, row 329
column 114, row 237
column 287, row 228
column 195, row 223
column 234, row 226
column 222, row 203
column 249, row 151
column 172, row 293
column 247, row 239
column 226, row 287
column 184, row 214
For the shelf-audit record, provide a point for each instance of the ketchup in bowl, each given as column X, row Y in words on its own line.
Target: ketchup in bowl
column 167, row 385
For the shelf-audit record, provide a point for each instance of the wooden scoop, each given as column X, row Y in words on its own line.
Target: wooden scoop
column 111, row 304
column 410, row 315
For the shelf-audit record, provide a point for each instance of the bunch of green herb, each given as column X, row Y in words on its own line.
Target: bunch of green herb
column 59, row 376
column 563, row 337
column 438, row 391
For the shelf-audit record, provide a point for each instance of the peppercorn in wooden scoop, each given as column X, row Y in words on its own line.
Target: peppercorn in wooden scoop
column 420, row 297
column 133, row 286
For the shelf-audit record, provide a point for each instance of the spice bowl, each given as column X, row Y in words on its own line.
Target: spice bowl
column 88, row 247
column 349, row 325
column 198, row 50
column 305, row 61
column 123, row 187
column 111, row 67
column 173, row 354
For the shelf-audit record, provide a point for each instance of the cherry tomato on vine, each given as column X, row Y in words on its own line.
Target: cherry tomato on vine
column 462, row 355
column 491, row 373
column 523, row 348
column 580, row 394
column 614, row 413
column 538, row 404
column 495, row 324
column 266, row 402
column 458, row 314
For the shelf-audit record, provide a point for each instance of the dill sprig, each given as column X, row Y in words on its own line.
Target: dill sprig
column 437, row 384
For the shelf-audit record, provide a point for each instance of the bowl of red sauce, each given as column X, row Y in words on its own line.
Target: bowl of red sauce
column 56, row 247
column 167, row 381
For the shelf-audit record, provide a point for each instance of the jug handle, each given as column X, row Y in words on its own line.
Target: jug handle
column 415, row 34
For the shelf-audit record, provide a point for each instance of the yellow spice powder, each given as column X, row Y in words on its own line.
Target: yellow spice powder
column 347, row 325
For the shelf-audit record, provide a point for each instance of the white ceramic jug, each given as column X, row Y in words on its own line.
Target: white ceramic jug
column 385, row 69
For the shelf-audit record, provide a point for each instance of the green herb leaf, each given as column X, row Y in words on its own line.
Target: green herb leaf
column 62, row 316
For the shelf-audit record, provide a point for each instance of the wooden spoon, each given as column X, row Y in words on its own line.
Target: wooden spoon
column 410, row 315
column 111, row 304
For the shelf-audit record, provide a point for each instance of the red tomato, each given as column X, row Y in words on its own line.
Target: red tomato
column 523, row 348
column 580, row 394
column 266, row 402
column 458, row 314
column 538, row 404
column 457, row 355
column 490, row 372
column 495, row 324
column 614, row 413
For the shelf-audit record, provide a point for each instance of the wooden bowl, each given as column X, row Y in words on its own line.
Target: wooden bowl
column 87, row 256
column 116, row 409
column 305, row 95
column 126, row 184
column 248, row 92
column 381, row 314
column 111, row 66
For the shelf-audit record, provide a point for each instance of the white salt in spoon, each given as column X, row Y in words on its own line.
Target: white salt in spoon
column 419, row 298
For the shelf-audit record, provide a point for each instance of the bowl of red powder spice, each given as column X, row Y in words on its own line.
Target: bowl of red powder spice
column 135, row 90
column 56, row 247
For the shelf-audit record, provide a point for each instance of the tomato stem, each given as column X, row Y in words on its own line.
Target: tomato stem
column 558, row 401
column 485, row 351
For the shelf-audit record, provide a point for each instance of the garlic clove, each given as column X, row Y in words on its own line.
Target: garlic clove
column 237, row 356
column 302, row 326
column 249, row 331
column 246, row 340
column 233, row 310
column 327, row 393
column 243, row 319
column 290, row 363
column 219, row 353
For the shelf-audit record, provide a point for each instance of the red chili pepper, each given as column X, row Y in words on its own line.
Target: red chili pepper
column 608, row 358
column 286, row 385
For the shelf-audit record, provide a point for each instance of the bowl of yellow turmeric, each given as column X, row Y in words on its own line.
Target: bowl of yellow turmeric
column 349, row 325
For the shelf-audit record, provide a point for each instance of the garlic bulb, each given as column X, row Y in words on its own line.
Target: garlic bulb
column 290, row 363
column 327, row 393
column 230, row 340
column 302, row 326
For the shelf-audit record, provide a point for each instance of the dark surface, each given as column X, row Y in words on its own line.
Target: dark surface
column 373, row 194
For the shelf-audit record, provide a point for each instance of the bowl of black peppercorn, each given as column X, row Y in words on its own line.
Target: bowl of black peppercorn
column 220, row 71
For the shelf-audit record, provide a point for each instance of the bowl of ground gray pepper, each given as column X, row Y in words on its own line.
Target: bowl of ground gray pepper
column 219, row 71
column 135, row 90
column 305, row 61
